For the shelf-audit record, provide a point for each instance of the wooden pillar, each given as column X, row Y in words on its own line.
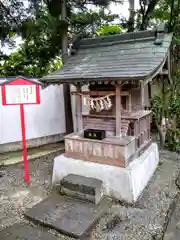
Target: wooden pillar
column 79, row 109
column 136, row 132
column 142, row 94
column 118, row 110
column 149, row 91
column 129, row 103
column 149, row 126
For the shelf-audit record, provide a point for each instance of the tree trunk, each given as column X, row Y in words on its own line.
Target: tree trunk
column 162, row 134
column 131, row 16
column 66, row 86
column 146, row 15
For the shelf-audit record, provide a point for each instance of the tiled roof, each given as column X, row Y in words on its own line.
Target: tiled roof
column 127, row 56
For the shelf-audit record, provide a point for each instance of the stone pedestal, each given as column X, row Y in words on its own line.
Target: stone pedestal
column 121, row 183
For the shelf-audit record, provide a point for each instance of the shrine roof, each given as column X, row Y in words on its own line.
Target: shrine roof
column 137, row 55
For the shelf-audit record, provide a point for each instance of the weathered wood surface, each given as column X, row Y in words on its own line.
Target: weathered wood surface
column 107, row 125
column 112, row 151
column 134, row 115
column 142, row 130
column 79, row 110
column 100, row 160
column 99, row 93
column 118, row 112
column 142, row 94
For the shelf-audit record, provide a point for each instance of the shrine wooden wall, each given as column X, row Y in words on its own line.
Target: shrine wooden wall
column 136, row 99
column 107, row 124
column 99, row 151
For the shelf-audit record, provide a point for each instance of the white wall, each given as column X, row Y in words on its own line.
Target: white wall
column 42, row 120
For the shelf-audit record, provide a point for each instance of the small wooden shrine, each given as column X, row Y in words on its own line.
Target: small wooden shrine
column 115, row 130
column 122, row 124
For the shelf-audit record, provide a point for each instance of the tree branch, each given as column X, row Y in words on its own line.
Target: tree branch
column 147, row 14
column 7, row 12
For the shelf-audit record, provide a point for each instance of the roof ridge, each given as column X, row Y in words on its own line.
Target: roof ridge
column 103, row 44
column 115, row 38
column 156, row 33
column 121, row 34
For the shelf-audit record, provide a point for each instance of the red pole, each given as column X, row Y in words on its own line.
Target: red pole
column 24, row 147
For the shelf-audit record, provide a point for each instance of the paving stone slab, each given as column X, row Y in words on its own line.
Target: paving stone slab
column 22, row 231
column 66, row 215
column 173, row 227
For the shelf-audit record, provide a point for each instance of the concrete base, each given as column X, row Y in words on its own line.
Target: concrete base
column 121, row 183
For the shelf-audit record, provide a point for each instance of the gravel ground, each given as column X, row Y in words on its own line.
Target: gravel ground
column 141, row 221
column 16, row 196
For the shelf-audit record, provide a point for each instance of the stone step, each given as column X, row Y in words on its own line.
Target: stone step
column 80, row 187
column 14, row 157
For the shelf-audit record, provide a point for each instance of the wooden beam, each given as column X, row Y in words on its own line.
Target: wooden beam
column 118, row 110
column 99, row 93
column 149, row 91
column 169, row 67
column 164, row 72
column 142, row 93
column 159, row 70
column 79, row 109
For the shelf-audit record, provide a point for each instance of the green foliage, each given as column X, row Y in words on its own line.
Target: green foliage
column 87, row 22
column 143, row 17
column 166, row 105
column 157, row 108
column 43, row 38
column 108, row 30
column 162, row 10
column 12, row 13
column 54, row 6
column 173, row 139
column 17, row 64
column 43, row 31
column 17, row 16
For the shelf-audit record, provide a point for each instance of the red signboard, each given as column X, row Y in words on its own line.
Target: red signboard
column 21, row 91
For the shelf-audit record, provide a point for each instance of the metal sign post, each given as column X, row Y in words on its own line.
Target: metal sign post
column 21, row 91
